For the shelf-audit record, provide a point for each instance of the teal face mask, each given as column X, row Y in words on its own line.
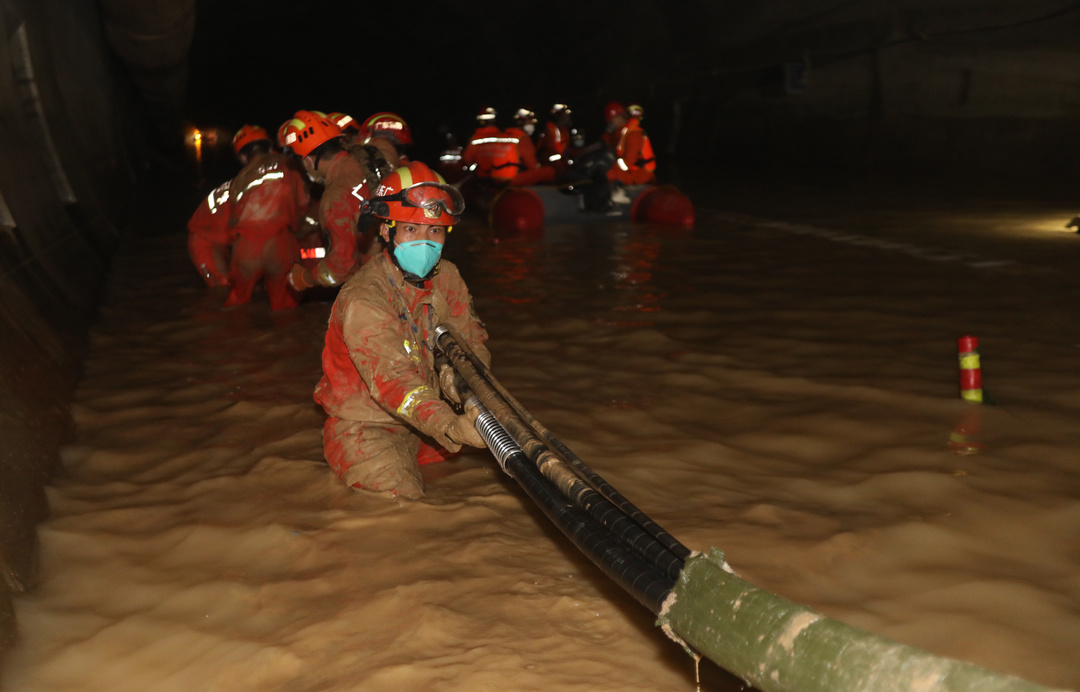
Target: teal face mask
column 418, row 257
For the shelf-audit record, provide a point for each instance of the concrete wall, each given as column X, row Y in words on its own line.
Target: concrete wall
column 65, row 147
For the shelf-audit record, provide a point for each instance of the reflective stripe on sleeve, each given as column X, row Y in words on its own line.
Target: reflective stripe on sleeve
column 412, row 399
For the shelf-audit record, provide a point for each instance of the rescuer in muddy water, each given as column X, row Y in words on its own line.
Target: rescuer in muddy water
column 380, row 386
column 390, row 134
column 252, row 220
column 314, row 139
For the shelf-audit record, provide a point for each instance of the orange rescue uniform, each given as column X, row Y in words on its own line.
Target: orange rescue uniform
column 339, row 214
column 530, row 172
column 209, row 238
column 553, row 142
column 269, row 199
column 634, row 163
column 494, row 153
column 379, row 383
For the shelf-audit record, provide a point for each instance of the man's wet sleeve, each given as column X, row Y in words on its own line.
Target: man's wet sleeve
column 390, row 365
column 338, row 218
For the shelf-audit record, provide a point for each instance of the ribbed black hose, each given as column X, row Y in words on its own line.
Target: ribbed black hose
column 624, row 529
column 641, row 580
column 446, row 335
column 614, row 496
column 554, row 469
column 563, row 479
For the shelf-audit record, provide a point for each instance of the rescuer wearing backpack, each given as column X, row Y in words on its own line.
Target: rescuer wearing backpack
column 385, row 399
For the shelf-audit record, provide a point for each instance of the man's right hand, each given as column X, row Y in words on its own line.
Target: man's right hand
column 462, row 430
column 447, row 384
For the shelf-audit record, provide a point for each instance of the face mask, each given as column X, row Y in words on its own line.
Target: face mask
column 418, row 257
column 529, row 129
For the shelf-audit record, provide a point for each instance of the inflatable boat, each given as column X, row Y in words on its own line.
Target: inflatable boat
column 526, row 210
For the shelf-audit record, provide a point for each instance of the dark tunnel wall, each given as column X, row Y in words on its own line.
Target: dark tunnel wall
column 65, row 156
column 931, row 87
column 959, row 88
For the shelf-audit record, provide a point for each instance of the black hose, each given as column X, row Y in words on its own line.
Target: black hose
column 598, row 483
column 642, row 581
column 501, row 442
column 615, row 497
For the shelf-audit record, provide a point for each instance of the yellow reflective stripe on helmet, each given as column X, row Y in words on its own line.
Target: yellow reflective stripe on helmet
column 406, row 177
column 412, row 400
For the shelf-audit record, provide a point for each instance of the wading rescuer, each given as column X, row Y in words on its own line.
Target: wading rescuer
column 390, row 134
column 385, row 399
column 209, row 240
column 318, row 143
column 635, row 163
column 372, row 160
column 253, row 220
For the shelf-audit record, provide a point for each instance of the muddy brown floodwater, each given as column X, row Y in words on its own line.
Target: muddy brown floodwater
column 779, row 386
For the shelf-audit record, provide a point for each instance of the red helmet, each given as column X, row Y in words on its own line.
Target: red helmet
column 635, row 111
column 308, row 130
column 388, row 125
column 417, row 194
column 613, row 110
column 281, row 134
column 486, row 116
column 246, row 135
column 344, row 122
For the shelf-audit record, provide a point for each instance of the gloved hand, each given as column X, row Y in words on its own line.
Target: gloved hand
column 447, row 385
column 462, row 430
column 300, row 278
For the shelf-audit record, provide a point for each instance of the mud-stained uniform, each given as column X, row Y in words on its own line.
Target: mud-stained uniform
column 339, row 213
column 269, row 201
column 209, row 238
column 379, row 383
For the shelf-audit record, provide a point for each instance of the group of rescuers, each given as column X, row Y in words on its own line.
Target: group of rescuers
column 391, row 404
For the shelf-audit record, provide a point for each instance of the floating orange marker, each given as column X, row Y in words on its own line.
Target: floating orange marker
column 970, row 370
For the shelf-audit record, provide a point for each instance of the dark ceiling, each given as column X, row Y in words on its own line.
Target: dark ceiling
column 433, row 62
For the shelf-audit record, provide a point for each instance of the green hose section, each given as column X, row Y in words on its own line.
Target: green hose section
column 780, row 646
